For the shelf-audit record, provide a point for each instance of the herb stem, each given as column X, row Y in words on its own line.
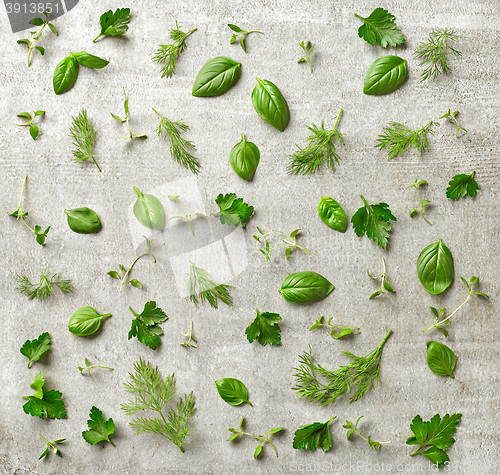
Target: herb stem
column 337, row 121
column 48, row 443
column 436, row 324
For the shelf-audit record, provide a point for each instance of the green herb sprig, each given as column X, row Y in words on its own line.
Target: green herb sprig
column 343, row 330
column 243, row 33
column 82, row 132
column 51, row 446
column 43, row 289
column 33, row 129
column 35, row 36
column 353, row 429
column 89, row 366
column 453, row 117
column 421, row 203
column 119, row 119
column 190, row 337
column 307, row 46
column 290, row 242
column 188, row 216
column 383, row 286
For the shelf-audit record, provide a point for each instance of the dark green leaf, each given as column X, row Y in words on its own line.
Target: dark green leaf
column 114, row 24
column 24, row 40
column 36, row 22
column 306, row 286
column 233, row 391
column 90, row 61
column 380, row 27
column 34, row 349
column 40, row 49
column 313, row 436
column 270, row 104
column 461, row 185
column 435, row 267
column 83, row 220
column 52, row 28
column 135, row 283
column 385, row 75
column 233, row 211
column 86, row 321
column 216, row 77
column 244, row 158
column 145, row 325
column 65, row 74
column 440, row 359
column 99, row 428
column 265, row 329
column 234, row 27
column 332, row 214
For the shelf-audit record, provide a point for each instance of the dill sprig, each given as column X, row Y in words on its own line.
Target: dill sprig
column 42, row 289
column 360, row 375
column 203, row 289
column 82, row 131
column 321, row 149
column 168, row 54
column 179, row 148
column 398, row 137
column 152, row 393
column 433, row 53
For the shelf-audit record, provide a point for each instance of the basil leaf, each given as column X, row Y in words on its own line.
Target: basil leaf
column 90, row 61
column 65, row 74
column 86, row 321
column 435, row 268
column 306, row 286
column 385, row 75
column 233, row 391
column 441, row 359
column 83, row 220
column 216, row 77
column 270, row 104
column 332, row 214
column 244, row 158
column 149, row 210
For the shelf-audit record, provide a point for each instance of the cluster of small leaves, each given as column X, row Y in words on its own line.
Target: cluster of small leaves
column 321, row 149
column 384, row 285
column 379, row 27
column 433, row 53
column 180, row 148
column 203, row 289
column 99, row 428
column 119, row 119
column 353, row 429
column 35, row 36
column 152, row 393
column 461, row 185
column 358, row 377
column 263, row 439
column 44, row 404
column 313, row 436
column 238, row 32
column 43, row 289
column 453, row 117
column 34, row 349
column 114, row 24
column 124, row 272
column 19, row 213
column 374, row 220
column 188, row 216
column 89, row 366
column 290, row 242
column 233, row 211
column 51, row 446
column 82, row 132
column 307, row 46
column 33, row 129
column 168, row 54
column 438, row 323
column 336, row 331
column 265, row 329
column 421, row 203
column 190, row 337
column 145, row 325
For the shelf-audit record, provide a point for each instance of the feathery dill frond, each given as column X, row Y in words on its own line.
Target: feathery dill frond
column 82, row 132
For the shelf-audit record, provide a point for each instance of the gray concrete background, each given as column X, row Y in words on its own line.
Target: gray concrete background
column 469, row 227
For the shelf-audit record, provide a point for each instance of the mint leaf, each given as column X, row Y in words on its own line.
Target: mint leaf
column 34, row 349
column 461, row 185
column 99, row 428
column 380, row 27
column 265, row 329
column 145, row 325
column 233, row 210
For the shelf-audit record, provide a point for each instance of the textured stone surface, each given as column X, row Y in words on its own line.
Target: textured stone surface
column 469, row 227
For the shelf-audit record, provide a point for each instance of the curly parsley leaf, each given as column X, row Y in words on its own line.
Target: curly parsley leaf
column 374, row 220
column 312, row 436
column 461, row 185
column 435, row 433
column 265, row 329
column 44, row 404
column 99, row 428
column 380, row 27
column 34, row 349
column 233, row 211
column 114, row 24
column 145, row 325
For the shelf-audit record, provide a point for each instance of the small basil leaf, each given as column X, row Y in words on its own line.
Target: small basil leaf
column 233, row 391
column 83, row 220
column 65, row 74
column 90, row 61
column 306, row 286
column 33, row 131
column 135, row 283
column 40, row 49
column 36, row 22
column 270, row 104
column 216, row 77
column 114, row 274
column 332, row 214
column 234, row 27
column 86, row 321
column 149, row 210
column 257, row 452
column 244, row 158
column 441, row 359
column 385, row 75
column 435, row 268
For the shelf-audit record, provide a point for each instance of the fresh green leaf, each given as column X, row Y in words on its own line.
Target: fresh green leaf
column 34, row 349
column 435, row 268
column 265, row 329
column 36, row 22
column 149, row 211
column 244, row 158
column 86, row 321
column 242, row 33
column 44, row 404
column 65, row 74
column 145, row 325
column 332, row 214
column 263, row 439
column 440, row 359
column 385, row 75
column 306, row 286
column 313, row 436
column 33, row 131
column 89, row 60
column 233, row 211
column 270, row 104
column 216, row 77
column 99, row 428
column 307, row 47
column 461, row 185
column 353, row 429
column 233, row 391
column 380, row 27
column 114, row 24
column 83, row 220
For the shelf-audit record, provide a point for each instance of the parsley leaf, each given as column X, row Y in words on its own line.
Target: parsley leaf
column 33, row 349
column 374, row 221
column 312, row 436
column 380, row 27
column 435, row 433
column 233, row 210
column 265, row 329
column 99, row 428
column 461, row 185
column 114, row 24
column 145, row 325
column 44, row 404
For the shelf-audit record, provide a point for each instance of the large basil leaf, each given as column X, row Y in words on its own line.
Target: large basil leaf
column 65, row 74
column 332, row 214
column 441, row 359
column 435, row 268
column 216, row 77
column 244, row 158
column 385, row 75
column 86, row 321
column 233, row 391
column 90, row 61
column 306, row 286
column 83, row 220
column 149, row 211
column 270, row 104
